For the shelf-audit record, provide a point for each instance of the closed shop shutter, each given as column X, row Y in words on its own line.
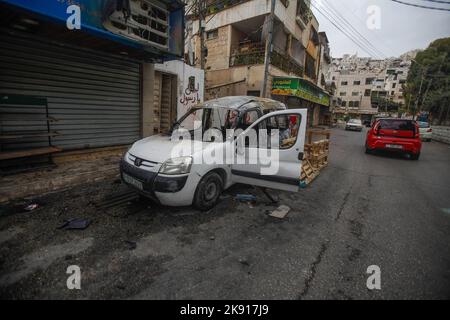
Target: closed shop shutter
column 95, row 98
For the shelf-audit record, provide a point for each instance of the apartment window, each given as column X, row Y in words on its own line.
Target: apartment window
column 310, row 67
column 343, row 94
column 355, row 93
column 392, row 93
column 394, row 85
column 344, row 83
column 350, row 104
column 369, row 81
column 344, row 103
column 367, row 93
column 356, row 83
column 355, row 104
column 403, row 81
column 213, row 34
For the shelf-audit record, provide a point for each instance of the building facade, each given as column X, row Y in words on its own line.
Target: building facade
column 366, row 86
column 235, row 39
column 96, row 80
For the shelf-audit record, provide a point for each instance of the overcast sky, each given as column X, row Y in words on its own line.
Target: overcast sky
column 403, row 28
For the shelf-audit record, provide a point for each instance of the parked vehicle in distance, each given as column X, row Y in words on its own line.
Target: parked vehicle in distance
column 150, row 167
column 425, row 131
column 399, row 135
column 354, row 125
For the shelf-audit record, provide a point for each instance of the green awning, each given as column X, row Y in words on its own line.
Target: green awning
column 301, row 88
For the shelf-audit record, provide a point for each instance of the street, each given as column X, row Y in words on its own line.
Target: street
column 362, row 210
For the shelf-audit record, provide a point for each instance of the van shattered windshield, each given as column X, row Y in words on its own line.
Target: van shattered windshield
column 207, row 119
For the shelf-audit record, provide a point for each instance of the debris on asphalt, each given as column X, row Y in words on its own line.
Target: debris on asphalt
column 77, row 223
column 31, row 207
column 212, row 238
column 244, row 262
column 245, row 197
column 131, row 244
column 281, row 212
column 117, row 199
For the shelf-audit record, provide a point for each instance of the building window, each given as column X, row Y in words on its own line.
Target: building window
column 343, row 94
column 344, row 83
column 355, row 104
column 392, row 93
column 344, row 103
column 369, row 81
column 394, row 85
column 213, row 34
column 350, row 104
column 355, row 93
column 356, row 83
column 310, row 67
column 367, row 93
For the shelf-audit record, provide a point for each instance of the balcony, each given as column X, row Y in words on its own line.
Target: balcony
column 254, row 52
column 213, row 7
column 304, row 14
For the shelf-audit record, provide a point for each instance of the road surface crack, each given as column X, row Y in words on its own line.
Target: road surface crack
column 338, row 216
column 313, row 270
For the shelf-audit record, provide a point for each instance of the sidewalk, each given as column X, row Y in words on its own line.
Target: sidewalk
column 66, row 175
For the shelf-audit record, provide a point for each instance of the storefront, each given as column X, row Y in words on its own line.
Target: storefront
column 91, row 79
column 301, row 93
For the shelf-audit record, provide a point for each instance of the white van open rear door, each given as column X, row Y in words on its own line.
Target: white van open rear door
column 275, row 160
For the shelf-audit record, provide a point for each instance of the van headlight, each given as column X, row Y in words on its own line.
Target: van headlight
column 175, row 166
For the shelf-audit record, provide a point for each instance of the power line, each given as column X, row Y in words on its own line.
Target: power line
column 337, row 25
column 370, row 45
column 438, row 1
column 420, row 6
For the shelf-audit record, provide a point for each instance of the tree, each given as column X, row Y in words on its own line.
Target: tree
column 427, row 86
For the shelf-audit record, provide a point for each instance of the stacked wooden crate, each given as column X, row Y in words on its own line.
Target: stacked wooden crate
column 315, row 156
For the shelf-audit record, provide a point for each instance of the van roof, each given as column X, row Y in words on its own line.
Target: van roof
column 240, row 102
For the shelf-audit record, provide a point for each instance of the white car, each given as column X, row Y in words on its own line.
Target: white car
column 155, row 168
column 354, row 124
column 425, row 131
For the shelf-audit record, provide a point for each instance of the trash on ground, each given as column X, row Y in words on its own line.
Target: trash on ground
column 281, row 212
column 31, row 207
column 245, row 197
column 77, row 223
column 244, row 262
column 131, row 244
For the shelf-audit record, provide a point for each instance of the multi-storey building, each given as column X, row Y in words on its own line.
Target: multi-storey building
column 236, row 32
column 365, row 86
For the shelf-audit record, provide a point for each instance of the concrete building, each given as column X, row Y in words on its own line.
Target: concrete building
column 236, row 34
column 366, row 86
column 83, row 89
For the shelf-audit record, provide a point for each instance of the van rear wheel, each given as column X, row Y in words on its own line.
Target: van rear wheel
column 208, row 191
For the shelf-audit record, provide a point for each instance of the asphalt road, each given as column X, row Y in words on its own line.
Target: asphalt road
column 363, row 210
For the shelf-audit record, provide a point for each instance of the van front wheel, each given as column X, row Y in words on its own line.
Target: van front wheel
column 208, row 191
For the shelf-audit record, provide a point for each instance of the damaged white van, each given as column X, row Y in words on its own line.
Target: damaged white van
column 216, row 144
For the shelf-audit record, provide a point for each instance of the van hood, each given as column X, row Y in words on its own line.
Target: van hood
column 159, row 148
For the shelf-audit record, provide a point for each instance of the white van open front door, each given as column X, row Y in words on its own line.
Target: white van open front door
column 270, row 152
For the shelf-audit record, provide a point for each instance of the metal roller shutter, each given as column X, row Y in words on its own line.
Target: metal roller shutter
column 94, row 97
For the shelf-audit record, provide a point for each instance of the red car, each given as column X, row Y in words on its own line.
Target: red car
column 399, row 135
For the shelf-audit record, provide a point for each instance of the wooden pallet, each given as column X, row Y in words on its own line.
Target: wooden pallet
column 315, row 157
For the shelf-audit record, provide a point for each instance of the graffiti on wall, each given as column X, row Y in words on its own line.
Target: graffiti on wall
column 191, row 95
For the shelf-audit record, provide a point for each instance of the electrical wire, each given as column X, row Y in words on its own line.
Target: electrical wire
column 337, row 25
column 364, row 39
column 420, row 6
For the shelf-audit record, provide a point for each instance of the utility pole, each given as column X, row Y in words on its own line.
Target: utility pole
column 201, row 8
column 268, row 49
column 418, row 95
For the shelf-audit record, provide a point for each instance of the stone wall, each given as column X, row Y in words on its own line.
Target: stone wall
column 441, row 133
